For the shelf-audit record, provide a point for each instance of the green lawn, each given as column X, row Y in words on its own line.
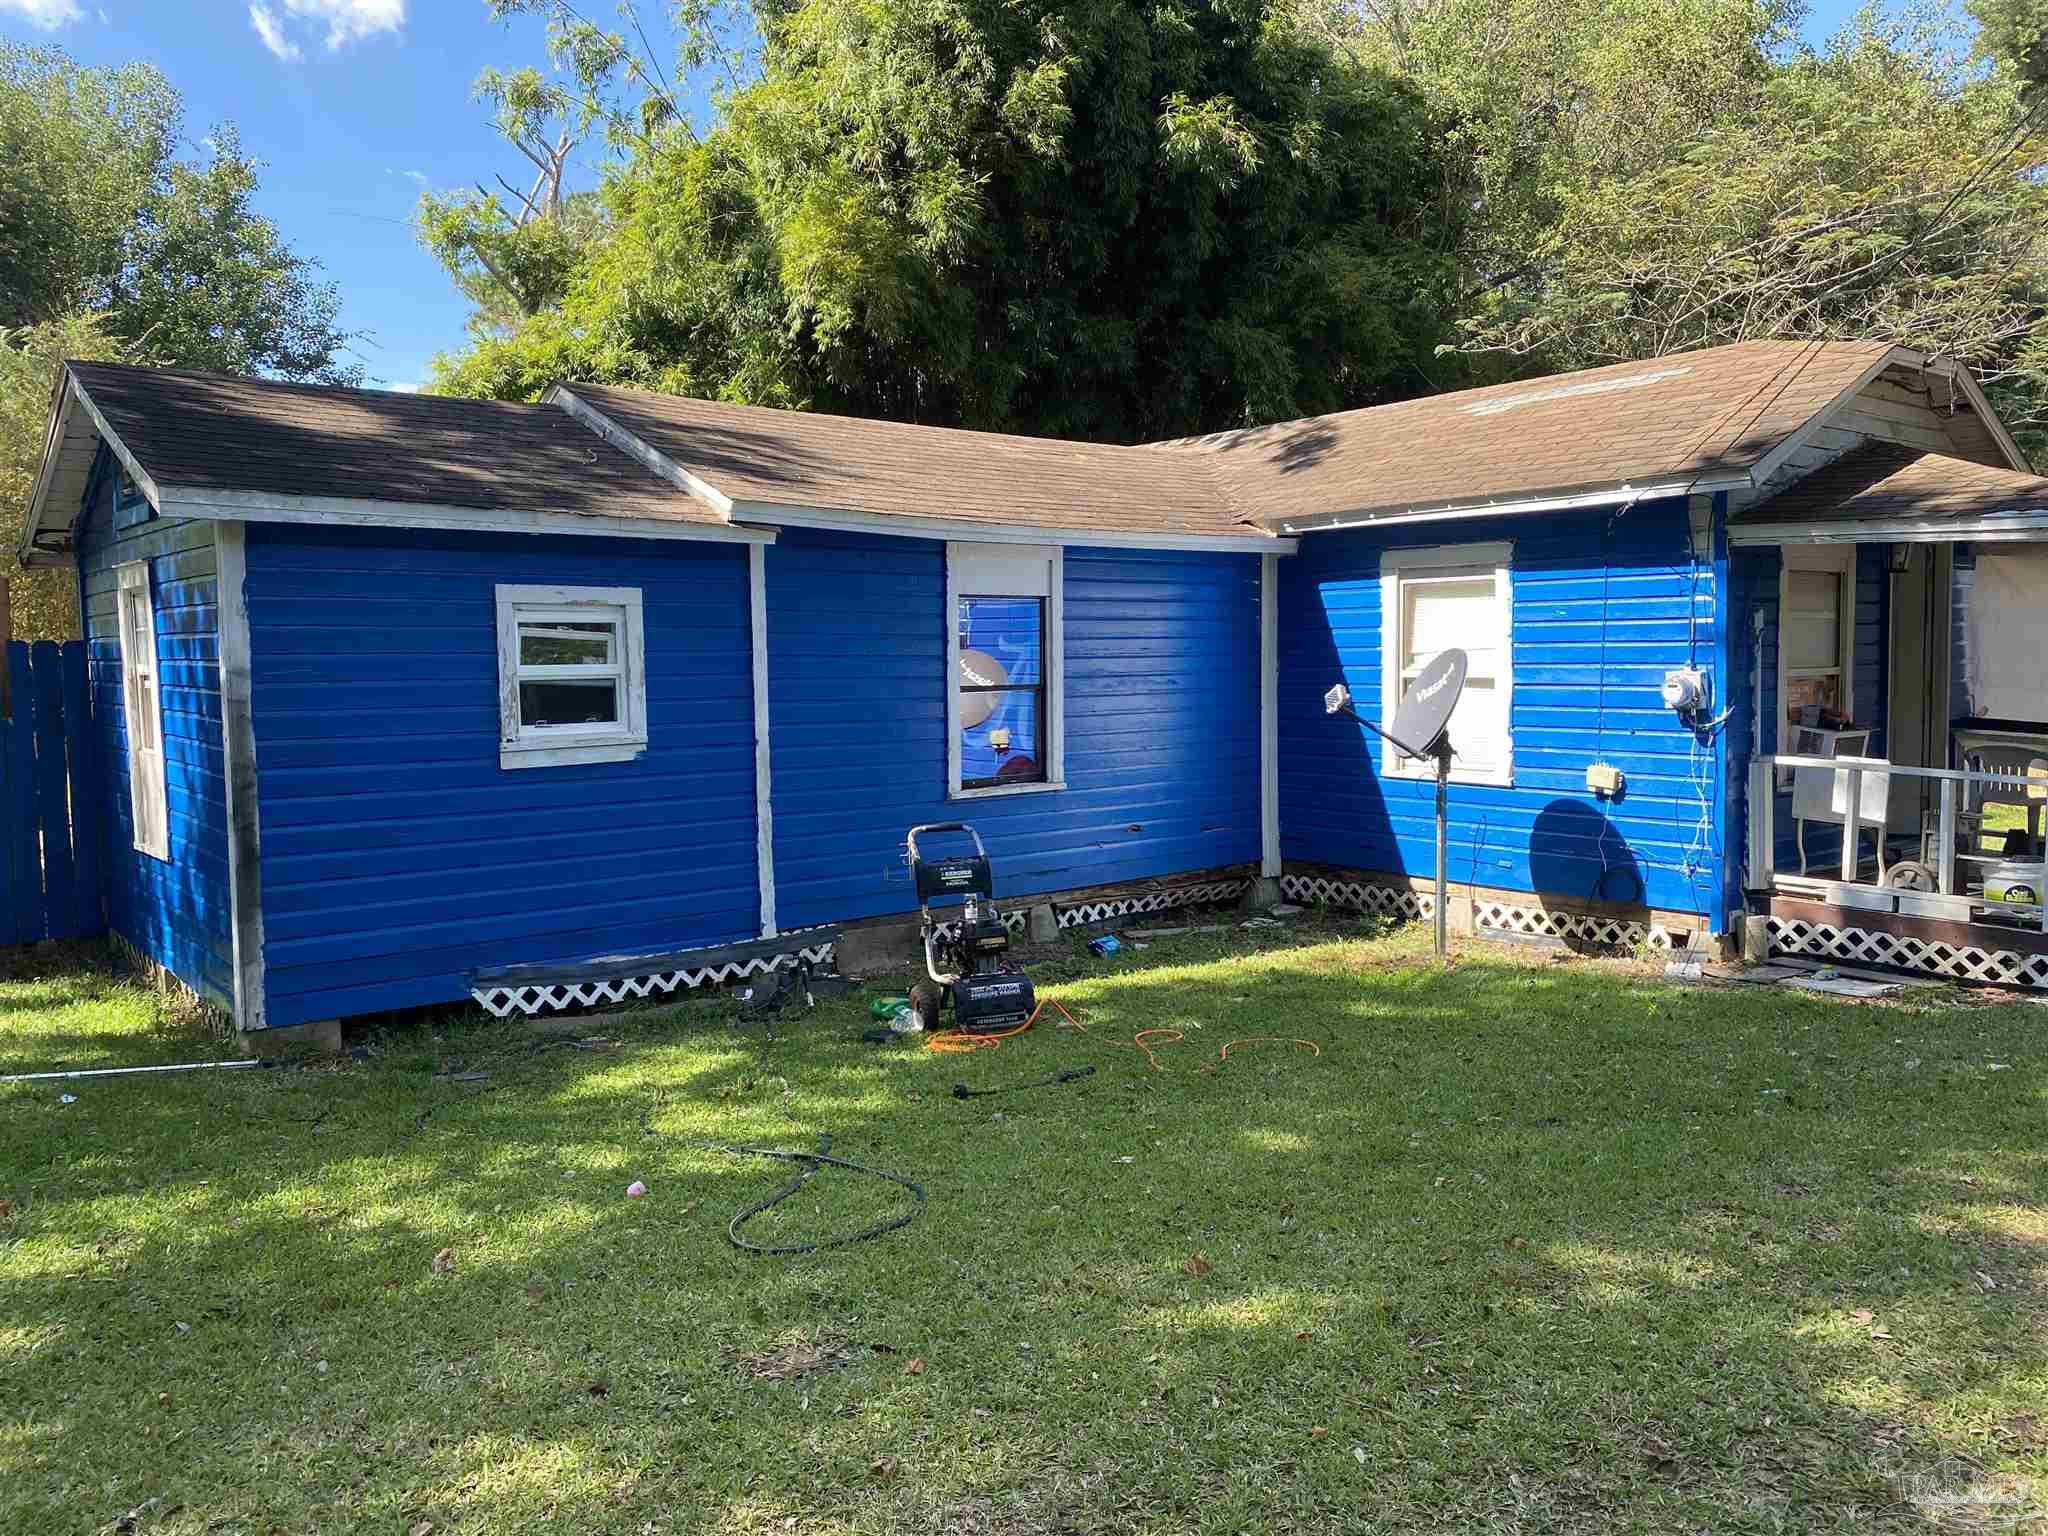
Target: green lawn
column 1533, row 1246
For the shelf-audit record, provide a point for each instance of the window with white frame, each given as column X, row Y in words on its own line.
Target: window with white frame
column 1003, row 663
column 1816, row 632
column 1816, row 646
column 1433, row 599
column 142, row 711
column 572, row 683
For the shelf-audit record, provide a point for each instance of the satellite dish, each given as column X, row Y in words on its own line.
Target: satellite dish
column 978, row 669
column 1419, row 723
column 1417, row 730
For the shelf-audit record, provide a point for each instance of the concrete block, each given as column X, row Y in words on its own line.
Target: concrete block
column 1756, row 939
column 321, row 1035
column 1263, row 893
column 1044, row 927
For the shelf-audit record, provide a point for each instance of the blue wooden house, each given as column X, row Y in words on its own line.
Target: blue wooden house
column 406, row 699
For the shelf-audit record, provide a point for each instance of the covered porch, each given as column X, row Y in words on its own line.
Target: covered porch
column 1895, row 780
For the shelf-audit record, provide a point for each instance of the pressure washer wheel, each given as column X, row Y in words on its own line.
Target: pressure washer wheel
column 924, row 1006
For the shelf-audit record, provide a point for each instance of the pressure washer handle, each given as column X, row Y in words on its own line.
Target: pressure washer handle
column 932, row 827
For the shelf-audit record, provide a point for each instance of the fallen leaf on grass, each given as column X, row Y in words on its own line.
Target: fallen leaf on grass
column 884, row 1466
column 1861, row 1315
column 444, row 1262
column 915, row 1367
column 6, row 1209
column 599, row 1389
column 1516, row 1242
column 1319, row 1432
column 1303, row 1337
column 423, row 1528
column 1880, row 1333
column 1198, row 1266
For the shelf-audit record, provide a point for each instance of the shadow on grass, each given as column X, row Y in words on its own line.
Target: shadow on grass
column 1538, row 1246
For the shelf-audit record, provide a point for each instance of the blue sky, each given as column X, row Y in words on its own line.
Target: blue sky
column 354, row 105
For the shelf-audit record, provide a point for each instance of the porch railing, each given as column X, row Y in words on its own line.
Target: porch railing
column 1946, row 900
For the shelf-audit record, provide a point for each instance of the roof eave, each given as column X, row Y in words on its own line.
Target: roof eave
column 71, row 394
column 961, row 530
column 1557, row 499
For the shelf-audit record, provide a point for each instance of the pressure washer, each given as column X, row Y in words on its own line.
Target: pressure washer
column 966, row 951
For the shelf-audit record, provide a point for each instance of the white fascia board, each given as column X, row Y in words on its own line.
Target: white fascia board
column 1982, row 406
column 1561, row 502
column 910, row 526
column 268, row 507
column 2028, row 527
column 70, row 393
column 1772, row 462
column 129, row 462
column 563, row 398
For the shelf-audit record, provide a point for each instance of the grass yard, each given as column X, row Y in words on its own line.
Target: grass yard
column 1535, row 1246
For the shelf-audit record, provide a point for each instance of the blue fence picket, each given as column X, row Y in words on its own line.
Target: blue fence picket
column 15, row 914
column 24, row 851
column 88, row 915
column 52, row 812
column 53, row 808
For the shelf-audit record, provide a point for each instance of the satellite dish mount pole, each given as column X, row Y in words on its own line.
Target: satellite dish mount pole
column 1421, row 728
column 1443, row 843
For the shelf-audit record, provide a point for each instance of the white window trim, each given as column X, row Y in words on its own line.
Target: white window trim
column 1009, row 570
column 1841, row 559
column 147, row 789
column 557, row 747
column 1397, row 563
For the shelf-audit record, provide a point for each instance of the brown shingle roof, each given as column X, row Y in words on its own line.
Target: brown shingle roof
column 1693, row 415
column 851, row 464
column 1882, row 480
column 1682, row 418
column 208, row 431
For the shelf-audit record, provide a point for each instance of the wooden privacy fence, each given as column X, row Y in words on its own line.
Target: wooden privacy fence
column 51, row 812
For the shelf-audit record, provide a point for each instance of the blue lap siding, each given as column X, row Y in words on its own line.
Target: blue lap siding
column 398, row 856
column 1603, row 605
column 1162, row 719
column 175, row 911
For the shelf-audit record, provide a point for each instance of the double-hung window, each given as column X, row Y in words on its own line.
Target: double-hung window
column 572, row 685
column 1815, row 631
column 1004, row 661
column 143, row 712
column 1434, row 599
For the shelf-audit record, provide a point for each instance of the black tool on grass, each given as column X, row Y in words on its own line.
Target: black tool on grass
column 1421, row 728
column 1067, row 1075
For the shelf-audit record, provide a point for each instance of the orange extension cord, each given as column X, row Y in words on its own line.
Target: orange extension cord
column 958, row 1041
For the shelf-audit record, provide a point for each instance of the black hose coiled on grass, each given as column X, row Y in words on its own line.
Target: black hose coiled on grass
column 817, row 1160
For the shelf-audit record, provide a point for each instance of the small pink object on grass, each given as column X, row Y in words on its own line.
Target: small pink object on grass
column 635, row 1190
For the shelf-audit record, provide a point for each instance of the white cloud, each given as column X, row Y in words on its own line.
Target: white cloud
column 281, row 22
column 403, row 389
column 350, row 21
column 47, row 14
column 267, row 26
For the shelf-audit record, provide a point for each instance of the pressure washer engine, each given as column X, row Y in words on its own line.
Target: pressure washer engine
column 966, row 948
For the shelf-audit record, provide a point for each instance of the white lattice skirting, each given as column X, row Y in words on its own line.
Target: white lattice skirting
column 1207, row 893
column 1489, row 915
column 553, row 997
column 1872, row 946
column 1360, row 895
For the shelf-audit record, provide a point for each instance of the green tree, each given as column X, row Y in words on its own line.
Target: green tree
column 43, row 601
column 1098, row 219
column 113, row 246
